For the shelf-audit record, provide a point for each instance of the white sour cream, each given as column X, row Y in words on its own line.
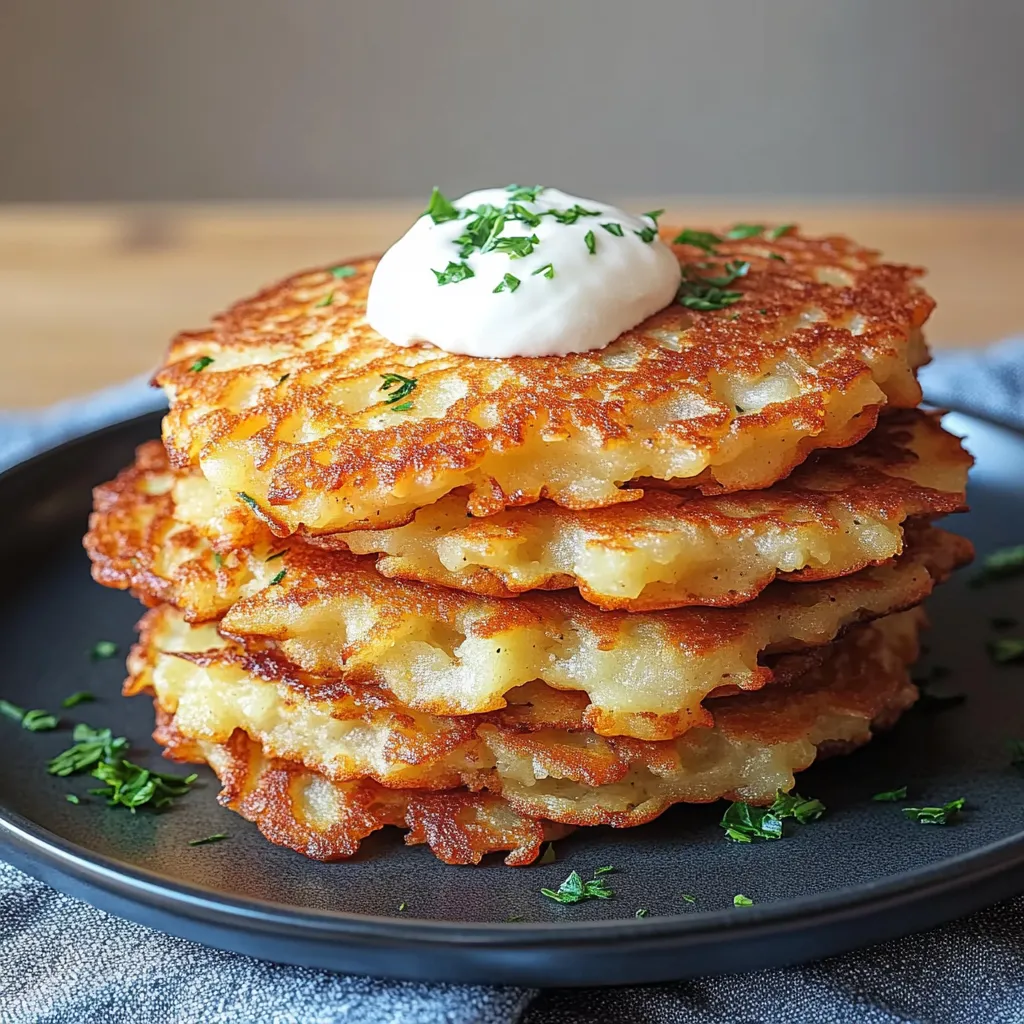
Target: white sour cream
column 560, row 297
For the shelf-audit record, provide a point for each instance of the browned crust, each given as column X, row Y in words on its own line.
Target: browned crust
column 863, row 677
column 462, row 826
column 132, row 528
column 261, row 622
column 863, row 479
column 697, row 631
column 459, row 827
column 868, row 311
column 855, row 679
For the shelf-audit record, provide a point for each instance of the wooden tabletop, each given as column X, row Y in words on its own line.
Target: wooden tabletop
column 89, row 295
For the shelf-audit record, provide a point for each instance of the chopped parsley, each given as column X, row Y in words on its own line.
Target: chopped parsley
column 792, row 805
column 99, row 752
column 710, row 293
column 734, row 270
column 132, row 786
column 517, row 246
column 215, row 838
column 739, row 900
column 483, row 225
column 935, row 815
column 687, row 898
column 575, row 890
column 249, row 500
column 439, row 209
column 276, row 555
column 744, row 231
column 744, row 823
column 778, row 232
column 35, row 720
column 38, row 720
column 520, row 213
column 403, row 905
column 91, row 747
column 283, row 378
column 327, row 300
column 606, row 870
column 1000, row 565
column 509, row 283
column 218, row 560
column 480, row 232
column 517, row 193
column 573, row 214
column 345, row 271
column 705, row 240
column 79, row 697
column 103, row 649
column 1007, row 649
column 277, row 579
column 11, row 711
column 453, row 273
column 399, row 387
column 548, row 856
column 640, row 913
column 891, row 796
column 72, row 799
column 201, row 364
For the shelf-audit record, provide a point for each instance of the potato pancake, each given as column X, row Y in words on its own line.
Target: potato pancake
column 838, row 512
column 157, row 531
column 327, row 821
column 645, row 673
column 304, row 762
column 287, row 401
column 445, row 652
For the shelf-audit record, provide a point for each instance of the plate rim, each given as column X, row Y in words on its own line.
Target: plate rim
column 966, row 882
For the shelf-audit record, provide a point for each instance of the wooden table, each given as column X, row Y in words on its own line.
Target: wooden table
column 89, row 295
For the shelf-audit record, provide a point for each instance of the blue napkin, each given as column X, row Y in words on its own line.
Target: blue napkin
column 63, row 961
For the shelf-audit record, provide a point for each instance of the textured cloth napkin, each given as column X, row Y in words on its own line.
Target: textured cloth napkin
column 61, row 961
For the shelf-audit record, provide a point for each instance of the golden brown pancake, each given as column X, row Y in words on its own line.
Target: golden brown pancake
column 450, row 653
column 837, row 513
column 327, row 821
column 842, row 510
column 535, row 760
column 292, row 415
column 645, row 673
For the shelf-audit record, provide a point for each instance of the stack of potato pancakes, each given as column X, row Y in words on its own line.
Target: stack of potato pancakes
column 488, row 600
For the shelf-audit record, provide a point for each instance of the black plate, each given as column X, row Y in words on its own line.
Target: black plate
column 861, row 874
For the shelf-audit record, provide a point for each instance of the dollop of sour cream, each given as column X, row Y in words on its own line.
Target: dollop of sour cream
column 521, row 272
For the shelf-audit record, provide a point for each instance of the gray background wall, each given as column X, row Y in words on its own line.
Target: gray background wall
column 142, row 99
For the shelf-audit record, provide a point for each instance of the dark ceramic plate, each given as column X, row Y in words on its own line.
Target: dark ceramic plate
column 861, row 874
